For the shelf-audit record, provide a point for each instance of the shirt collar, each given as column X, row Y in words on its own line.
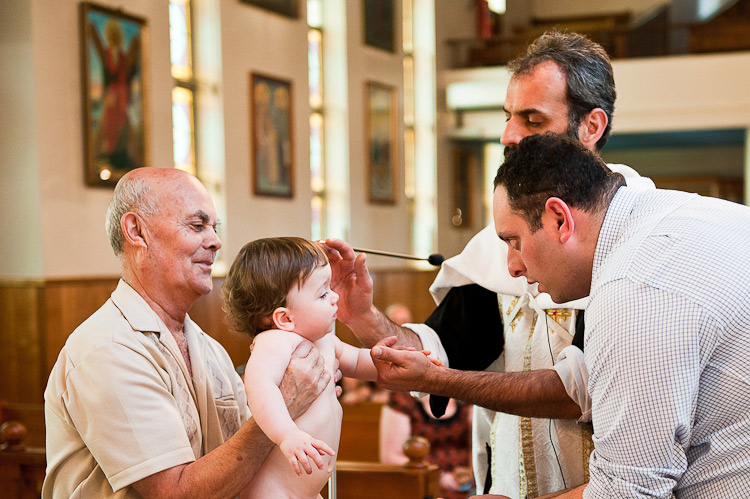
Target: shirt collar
column 135, row 310
column 618, row 212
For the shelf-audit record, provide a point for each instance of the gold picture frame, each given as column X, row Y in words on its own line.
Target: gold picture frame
column 271, row 136
column 381, row 141
column 286, row 8
column 115, row 93
column 378, row 20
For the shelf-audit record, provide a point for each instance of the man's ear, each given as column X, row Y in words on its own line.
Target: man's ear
column 558, row 213
column 134, row 230
column 592, row 127
column 282, row 319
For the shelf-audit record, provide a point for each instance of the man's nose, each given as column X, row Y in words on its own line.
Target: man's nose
column 213, row 241
column 516, row 268
column 512, row 134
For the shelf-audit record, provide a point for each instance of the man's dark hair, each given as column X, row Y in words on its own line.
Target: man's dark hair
column 555, row 165
column 588, row 75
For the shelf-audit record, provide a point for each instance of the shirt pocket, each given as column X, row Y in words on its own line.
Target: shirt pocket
column 229, row 415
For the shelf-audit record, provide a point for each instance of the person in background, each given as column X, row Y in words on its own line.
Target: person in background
column 449, row 435
column 399, row 313
column 141, row 402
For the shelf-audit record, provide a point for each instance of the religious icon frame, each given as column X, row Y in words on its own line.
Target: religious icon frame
column 288, row 8
column 272, row 153
column 115, row 93
column 381, row 142
column 379, row 26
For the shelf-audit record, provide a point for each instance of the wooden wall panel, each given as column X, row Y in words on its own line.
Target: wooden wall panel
column 30, row 415
column 36, row 318
column 21, row 344
column 67, row 303
column 408, row 286
column 360, row 432
column 208, row 314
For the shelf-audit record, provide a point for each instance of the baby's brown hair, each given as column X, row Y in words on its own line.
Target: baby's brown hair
column 261, row 277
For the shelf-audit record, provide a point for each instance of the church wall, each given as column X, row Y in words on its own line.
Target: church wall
column 20, row 245
column 256, row 40
column 377, row 226
column 72, row 214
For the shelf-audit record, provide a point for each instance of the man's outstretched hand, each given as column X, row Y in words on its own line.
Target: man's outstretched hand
column 403, row 368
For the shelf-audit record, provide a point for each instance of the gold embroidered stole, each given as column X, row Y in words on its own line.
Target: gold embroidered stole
column 518, row 318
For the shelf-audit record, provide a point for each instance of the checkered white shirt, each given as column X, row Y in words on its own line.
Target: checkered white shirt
column 668, row 348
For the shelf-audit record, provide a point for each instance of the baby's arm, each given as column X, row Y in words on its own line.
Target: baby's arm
column 354, row 362
column 263, row 373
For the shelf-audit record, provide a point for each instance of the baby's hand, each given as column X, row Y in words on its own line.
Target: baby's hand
column 426, row 352
column 300, row 447
column 433, row 359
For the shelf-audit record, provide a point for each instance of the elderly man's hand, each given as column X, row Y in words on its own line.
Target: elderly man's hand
column 337, row 375
column 305, row 378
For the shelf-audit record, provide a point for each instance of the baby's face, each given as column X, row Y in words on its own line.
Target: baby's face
column 313, row 305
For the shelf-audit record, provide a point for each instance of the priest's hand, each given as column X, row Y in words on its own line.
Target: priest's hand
column 350, row 279
column 404, row 368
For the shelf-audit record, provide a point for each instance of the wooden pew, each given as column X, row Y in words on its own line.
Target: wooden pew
column 21, row 468
column 367, row 480
column 37, row 317
column 22, row 472
column 360, row 432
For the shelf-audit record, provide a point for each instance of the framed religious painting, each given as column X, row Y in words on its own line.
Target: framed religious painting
column 378, row 22
column 381, row 126
column 271, row 136
column 113, row 71
column 284, row 7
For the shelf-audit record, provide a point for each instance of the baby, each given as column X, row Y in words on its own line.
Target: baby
column 278, row 291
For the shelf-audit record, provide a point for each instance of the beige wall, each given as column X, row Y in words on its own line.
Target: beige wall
column 53, row 224
column 20, row 243
column 657, row 94
column 378, row 226
column 454, row 20
column 254, row 40
column 689, row 92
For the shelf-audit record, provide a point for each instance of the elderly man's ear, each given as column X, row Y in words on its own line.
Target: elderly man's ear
column 134, row 229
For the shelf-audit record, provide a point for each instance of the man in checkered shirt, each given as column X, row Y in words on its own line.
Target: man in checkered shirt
column 668, row 322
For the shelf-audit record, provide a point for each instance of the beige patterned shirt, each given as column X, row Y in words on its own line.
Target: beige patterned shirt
column 121, row 406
